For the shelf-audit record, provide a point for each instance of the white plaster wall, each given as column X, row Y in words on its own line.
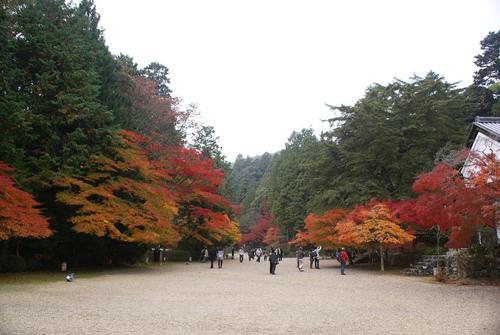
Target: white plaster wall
column 485, row 145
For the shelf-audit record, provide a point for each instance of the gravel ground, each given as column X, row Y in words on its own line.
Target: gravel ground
column 246, row 299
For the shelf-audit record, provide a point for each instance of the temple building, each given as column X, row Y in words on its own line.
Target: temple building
column 484, row 139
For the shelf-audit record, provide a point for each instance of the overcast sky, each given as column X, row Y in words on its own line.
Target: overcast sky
column 260, row 69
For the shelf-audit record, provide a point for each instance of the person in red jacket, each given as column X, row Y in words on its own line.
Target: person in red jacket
column 343, row 261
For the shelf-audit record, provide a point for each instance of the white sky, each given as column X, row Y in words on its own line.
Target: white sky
column 260, row 69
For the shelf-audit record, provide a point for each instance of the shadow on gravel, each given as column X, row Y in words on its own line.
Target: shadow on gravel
column 44, row 277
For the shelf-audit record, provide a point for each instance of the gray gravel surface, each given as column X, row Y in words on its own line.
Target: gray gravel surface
column 246, row 299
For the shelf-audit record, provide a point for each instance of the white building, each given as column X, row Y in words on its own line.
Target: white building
column 484, row 139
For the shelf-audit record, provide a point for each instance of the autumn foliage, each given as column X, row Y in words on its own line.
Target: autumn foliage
column 455, row 205
column 259, row 230
column 372, row 225
column 321, row 229
column 272, row 236
column 445, row 200
column 19, row 215
column 146, row 192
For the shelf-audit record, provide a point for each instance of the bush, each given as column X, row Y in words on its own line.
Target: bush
column 14, row 263
column 176, row 255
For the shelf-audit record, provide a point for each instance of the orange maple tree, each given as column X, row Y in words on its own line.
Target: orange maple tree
column 19, row 215
column 121, row 198
column 320, row 229
column 147, row 192
column 373, row 225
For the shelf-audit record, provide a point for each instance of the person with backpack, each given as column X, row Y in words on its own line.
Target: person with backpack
column 273, row 261
column 343, row 260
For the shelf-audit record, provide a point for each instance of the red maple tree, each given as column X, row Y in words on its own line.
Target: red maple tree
column 258, row 231
column 19, row 215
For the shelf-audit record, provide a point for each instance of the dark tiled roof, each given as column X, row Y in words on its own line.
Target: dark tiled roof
column 489, row 124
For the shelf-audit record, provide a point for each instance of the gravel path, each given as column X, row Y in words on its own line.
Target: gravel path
column 245, row 299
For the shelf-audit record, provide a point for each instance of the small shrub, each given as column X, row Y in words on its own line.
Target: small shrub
column 176, row 255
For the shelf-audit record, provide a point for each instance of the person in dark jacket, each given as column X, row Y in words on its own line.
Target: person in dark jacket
column 273, row 261
column 212, row 256
column 312, row 257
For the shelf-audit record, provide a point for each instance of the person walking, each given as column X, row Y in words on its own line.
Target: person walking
column 258, row 253
column 212, row 256
column 241, row 252
column 273, row 261
column 343, row 260
column 300, row 259
column 220, row 257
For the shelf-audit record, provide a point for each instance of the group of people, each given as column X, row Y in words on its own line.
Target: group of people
column 257, row 253
column 275, row 256
column 212, row 255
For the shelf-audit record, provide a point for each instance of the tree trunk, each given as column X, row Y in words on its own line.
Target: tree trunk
column 382, row 258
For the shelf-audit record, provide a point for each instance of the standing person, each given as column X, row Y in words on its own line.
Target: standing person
column 311, row 257
column 241, row 252
column 278, row 253
column 258, row 253
column 265, row 255
column 316, row 257
column 300, row 259
column 232, row 252
column 220, row 257
column 212, row 256
column 343, row 260
column 204, row 255
column 273, row 261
